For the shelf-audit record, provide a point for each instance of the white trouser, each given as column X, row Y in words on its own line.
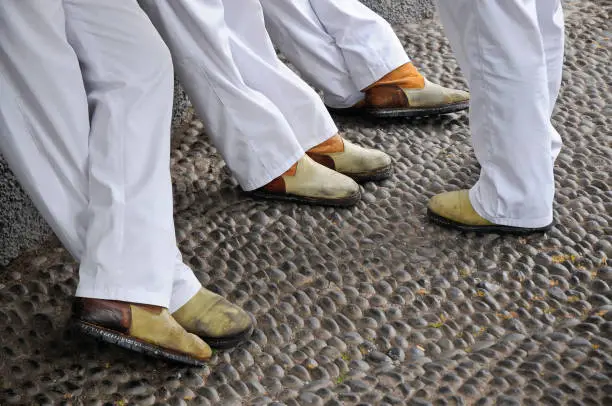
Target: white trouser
column 511, row 52
column 340, row 46
column 99, row 175
column 259, row 114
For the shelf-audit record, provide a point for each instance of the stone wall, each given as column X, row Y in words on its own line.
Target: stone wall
column 401, row 11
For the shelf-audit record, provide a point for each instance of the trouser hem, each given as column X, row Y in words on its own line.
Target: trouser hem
column 188, row 289
column 140, row 296
column 505, row 221
column 364, row 79
column 373, row 73
column 272, row 172
column 325, row 135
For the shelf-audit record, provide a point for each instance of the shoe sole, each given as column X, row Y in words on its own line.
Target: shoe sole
column 372, row 176
column 228, row 342
column 316, row 201
column 402, row 112
column 496, row 229
column 133, row 344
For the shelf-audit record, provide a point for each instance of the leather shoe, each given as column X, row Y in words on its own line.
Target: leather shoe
column 143, row 328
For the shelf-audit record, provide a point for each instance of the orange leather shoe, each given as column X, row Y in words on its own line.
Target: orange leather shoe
column 404, row 92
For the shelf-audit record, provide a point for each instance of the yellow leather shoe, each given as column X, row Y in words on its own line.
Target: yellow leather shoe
column 217, row 321
column 313, row 183
column 454, row 210
column 147, row 329
column 361, row 164
column 404, row 92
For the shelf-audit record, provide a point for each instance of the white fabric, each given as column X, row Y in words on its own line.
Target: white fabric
column 511, row 52
column 259, row 114
column 90, row 143
column 340, row 46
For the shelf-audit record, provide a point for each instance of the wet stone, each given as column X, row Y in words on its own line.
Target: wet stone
column 392, row 400
column 310, row 399
column 557, row 294
column 348, row 397
column 396, row 354
column 415, row 354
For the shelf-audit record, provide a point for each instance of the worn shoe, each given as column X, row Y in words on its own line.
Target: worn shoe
column 310, row 182
column 406, row 93
column 454, row 210
column 147, row 329
column 217, row 321
column 361, row 164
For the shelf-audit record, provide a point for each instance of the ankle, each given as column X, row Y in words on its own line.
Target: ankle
column 406, row 76
column 331, row 145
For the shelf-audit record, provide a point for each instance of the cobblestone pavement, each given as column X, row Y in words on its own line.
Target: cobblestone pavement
column 371, row 305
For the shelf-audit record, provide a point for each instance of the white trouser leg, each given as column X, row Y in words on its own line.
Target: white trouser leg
column 250, row 132
column 500, row 49
column 105, row 190
column 552, row 27
column 131, row 245
column 340, row 46
column 262, row 70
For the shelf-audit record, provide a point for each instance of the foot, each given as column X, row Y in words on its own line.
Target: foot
column 404, row 92
column 310, row 182
column 217, row 321
column 142, row 328
column 361, row 164
column 454, row 210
